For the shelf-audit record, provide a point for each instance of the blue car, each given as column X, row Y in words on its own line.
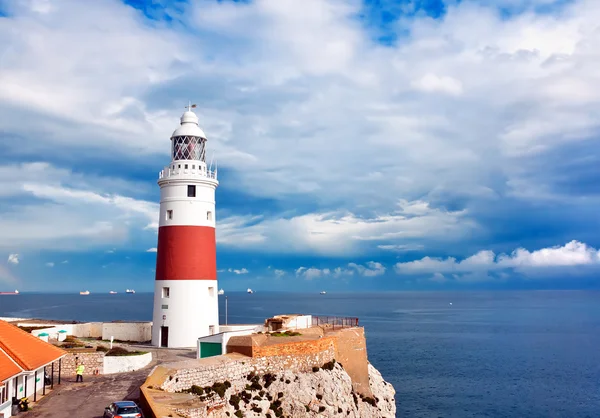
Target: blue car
column 123, row 409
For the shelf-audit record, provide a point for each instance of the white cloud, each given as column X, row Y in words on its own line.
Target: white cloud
column 59, row 209
column 572, row 254
column 371, row 269
column 281, row 81
column 50, row 264
column 279, row 273
column 13, row 258
column 343, row 234
column 151, row 250
column 239, row 271
column 401, row 247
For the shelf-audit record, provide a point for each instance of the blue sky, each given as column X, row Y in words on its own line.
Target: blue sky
column 362, row 145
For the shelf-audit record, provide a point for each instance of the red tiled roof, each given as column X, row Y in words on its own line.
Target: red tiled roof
column 28, row 351
column 8, row 368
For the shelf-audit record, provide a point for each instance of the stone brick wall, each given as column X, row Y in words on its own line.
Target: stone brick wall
column 235, row 369
column 91, row 359
column 294, row 348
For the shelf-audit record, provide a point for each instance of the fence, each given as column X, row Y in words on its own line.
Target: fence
column 335, row 321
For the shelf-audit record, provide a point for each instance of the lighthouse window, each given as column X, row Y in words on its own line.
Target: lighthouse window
column 211, row 292
column 191, row 191
column 165, row 292
column 209, row 216
column 169, row 214
column 186, row 167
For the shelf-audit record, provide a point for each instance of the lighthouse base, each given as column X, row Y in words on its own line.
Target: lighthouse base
column 184, row 310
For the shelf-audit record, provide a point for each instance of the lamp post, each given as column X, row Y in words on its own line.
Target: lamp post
column 225, row 310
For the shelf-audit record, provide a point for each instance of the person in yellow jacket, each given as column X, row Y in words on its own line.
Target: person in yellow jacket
column 79, row 371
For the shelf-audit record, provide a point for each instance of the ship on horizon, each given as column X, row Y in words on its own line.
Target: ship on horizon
column 221, row 292
column 85, row 293
column 130, row 291
column 16, row 292
column 112, row 292
column 250, row 290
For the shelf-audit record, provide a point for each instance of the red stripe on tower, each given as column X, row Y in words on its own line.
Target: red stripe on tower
column 186, row 253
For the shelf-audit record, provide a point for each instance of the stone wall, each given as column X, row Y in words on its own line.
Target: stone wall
column 206, row 372
column 294, row 348
column 91, row 359
column 351, row 351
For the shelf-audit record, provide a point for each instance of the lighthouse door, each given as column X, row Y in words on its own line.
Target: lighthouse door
column 164, row 336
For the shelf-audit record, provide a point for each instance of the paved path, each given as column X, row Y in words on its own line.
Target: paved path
column 88, row 399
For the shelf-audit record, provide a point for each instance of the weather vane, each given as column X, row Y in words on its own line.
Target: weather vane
column 190, row 106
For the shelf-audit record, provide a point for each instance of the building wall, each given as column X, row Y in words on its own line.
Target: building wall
column 224, row 337
column 294, row 348
column 92, row 360
column 189, row 311
column 127, row 331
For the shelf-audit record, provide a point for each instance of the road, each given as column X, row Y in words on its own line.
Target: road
column 88, row 399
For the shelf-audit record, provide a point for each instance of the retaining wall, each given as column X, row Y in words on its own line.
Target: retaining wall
column 235, row 368
column 92, row 360
column 119, row 364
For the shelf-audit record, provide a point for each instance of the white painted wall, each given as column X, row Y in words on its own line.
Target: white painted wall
column 190, row 311
column 127, row 331
column 120, row 364
column 299, row 322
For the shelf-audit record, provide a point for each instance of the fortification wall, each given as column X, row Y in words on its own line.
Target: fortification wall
column 206, row 372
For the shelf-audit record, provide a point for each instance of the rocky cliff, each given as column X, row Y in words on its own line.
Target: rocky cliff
column 324, row 392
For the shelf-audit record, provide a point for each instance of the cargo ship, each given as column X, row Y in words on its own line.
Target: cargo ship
column 16, row 292
column 130, row 291
column 84, row 293
column 112, row 292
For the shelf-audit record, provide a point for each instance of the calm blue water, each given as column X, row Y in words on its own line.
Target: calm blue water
column 489, row 354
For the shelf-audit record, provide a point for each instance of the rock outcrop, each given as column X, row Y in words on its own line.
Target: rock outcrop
column 324, row 392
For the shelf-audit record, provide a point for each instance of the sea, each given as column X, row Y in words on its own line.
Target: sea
column 448, row 354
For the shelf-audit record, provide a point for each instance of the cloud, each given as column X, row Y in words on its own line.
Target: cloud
column 54, row 208
column 13, row 258
column 151, row 250
column 50, row 264
column 460, row 118
column 371, row 269
column 343, row 234
column 279, row 273
column 572, row 254
column 239, row 271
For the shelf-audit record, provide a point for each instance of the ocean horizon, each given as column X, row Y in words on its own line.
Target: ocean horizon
column 448, row 354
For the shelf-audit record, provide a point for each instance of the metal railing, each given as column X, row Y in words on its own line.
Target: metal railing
column 334, row 321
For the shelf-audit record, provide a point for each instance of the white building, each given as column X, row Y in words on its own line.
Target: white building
column 185, row 293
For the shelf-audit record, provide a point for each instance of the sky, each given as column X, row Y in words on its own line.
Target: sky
column 362, row 144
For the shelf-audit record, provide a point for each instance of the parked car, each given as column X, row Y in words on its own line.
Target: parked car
column 123, row 409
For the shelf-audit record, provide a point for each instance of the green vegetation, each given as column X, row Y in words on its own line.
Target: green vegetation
column 102, row 348
column 285, row 334
column 120, row 352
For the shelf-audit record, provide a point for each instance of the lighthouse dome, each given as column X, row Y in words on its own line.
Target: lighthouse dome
column 189, row 126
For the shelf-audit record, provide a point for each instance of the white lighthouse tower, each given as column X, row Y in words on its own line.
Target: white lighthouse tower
column 185, row 293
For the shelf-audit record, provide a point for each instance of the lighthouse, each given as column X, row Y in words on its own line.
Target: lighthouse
column 185, row 293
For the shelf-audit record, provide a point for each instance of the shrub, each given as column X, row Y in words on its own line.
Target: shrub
column 287, row 381
column 102, row 348
column 120, row 351
column 235, row 401
column 321, row 408
column 319, row 396
column 197, row 390
column 239, row 414
column 285, row 334
column 315, row 369
column 307, row 408
column 329, row 365
column 339, row 410
column 257, row 398
column 257, row 409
